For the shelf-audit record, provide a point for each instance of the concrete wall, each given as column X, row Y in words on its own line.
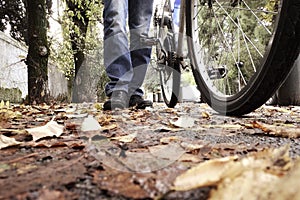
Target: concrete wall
column 13, row 71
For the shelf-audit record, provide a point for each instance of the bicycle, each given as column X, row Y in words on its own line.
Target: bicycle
column 240, row 51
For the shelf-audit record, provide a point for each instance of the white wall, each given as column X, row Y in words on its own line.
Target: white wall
column 13, row 71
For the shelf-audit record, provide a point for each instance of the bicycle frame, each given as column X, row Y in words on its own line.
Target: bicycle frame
column 180, row 39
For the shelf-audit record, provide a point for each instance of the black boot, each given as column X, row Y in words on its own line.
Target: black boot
column 118, row 99
column 139, row 102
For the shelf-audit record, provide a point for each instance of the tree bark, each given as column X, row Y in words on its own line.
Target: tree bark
column 38, row 51
column 78, row 45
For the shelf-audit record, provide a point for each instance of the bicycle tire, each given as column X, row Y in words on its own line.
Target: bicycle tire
column 171, row 93
column 169, row 68
column 276, row 62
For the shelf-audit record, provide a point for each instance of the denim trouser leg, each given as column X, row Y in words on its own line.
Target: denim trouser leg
column 140, row 13
column 126, row 66
column 116, row 51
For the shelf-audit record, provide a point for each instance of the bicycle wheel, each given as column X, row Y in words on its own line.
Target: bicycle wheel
column 169, row 69
column 241, row 50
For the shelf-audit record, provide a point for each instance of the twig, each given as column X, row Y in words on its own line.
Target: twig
column 22, row 158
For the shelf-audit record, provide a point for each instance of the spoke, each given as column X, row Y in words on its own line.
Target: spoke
column 253, row 10
column 249, row 52
column 233, row 21
column 260, row 21
column 229, row 47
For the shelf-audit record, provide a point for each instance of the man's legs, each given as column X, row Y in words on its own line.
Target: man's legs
column 126, row 68
column 117, row 58
column 140, row 13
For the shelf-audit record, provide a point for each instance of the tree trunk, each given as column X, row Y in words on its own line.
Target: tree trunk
column 38, row 52
column 78, row 45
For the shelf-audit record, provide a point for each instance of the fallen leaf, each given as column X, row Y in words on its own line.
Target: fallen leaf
column 189, row 147
column 109, row 127
column 205, row 115
column 250, row 185
column 153, row 159
column 224, row 126
column 280, row 131
column 236, row 179
column 167, row 140
column 205, row 174
column 90, row 124
column 183, row 122
column 4, row 167
column 126, row 138
column 189, row 158
column 47, row 194
column 7, row 142
column 51, row 129
column 104, row 120
column 285, row 188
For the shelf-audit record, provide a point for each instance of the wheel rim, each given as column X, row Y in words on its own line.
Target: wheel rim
column 231, row 36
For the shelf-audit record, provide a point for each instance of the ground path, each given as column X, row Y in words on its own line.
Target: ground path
column 82, row 152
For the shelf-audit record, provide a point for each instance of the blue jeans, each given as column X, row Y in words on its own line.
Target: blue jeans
column 126, row 58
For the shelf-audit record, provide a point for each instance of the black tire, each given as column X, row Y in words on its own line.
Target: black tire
column 271, row 66
column 170, row 84
column 169, row 68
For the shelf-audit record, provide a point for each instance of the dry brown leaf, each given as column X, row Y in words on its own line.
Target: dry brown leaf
column 167, row 140
column 105, row 120
column 205, row 174
column 109, row 127
column 7, row 142
column 189, row 147
column 262, row 178
column 280, row 131
column 286, row 187
column 272, row 162
column 47, row 194
column 189, row 158
column 51, row 129
column 249, row 185
column 126, row 138
column 225, row 126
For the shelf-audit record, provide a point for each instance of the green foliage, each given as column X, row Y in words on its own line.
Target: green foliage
column 12, row 15
column 81, row 32
column 243, row 38
column 11, row 94
column 187, row 78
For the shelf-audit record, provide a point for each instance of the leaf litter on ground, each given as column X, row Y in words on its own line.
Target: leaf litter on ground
column 256, row 176
column 166, row 148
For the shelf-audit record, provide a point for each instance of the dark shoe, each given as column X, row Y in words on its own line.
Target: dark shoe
column 138, row 102
column 118, row 99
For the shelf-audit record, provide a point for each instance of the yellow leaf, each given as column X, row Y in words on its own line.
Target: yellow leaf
column 2, row 104
column 205, row 115
column 7, row 104
column 7, row 142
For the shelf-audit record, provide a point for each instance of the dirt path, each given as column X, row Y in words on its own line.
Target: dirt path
column 135, row 154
